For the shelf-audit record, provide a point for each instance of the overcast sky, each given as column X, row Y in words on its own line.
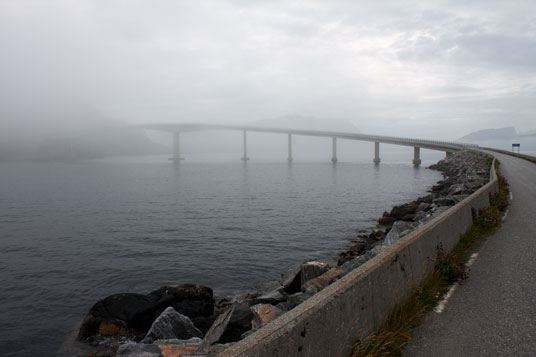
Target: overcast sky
column 415, row 68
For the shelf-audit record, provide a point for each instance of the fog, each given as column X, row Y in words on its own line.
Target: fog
column 75, row 74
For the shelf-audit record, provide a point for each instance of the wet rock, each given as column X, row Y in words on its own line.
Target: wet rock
column 170, row 324
column 324, row 280
column 263, row 314
column 133, row 314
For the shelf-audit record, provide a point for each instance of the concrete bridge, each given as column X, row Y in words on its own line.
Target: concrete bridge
column 417, row 144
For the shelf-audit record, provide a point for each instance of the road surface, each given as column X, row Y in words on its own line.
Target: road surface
column 493, row 312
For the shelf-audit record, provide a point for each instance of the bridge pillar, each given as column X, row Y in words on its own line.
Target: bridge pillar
column 245, row 158
column 416, row 156
column 376, row 159
column 289, row 147
column 176, row 148
column 334, row 151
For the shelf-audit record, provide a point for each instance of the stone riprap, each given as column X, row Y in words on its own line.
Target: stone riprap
column 135, row 324
column 463, row 173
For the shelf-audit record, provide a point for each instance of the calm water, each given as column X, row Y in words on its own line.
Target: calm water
column 72, row 233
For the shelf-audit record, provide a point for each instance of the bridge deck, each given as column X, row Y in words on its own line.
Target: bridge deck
column 427, row 144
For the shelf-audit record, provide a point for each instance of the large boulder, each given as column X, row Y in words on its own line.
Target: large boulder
column 293, row 278
column 311, row 270
column 239, row 323
column 133, row 314
column 399, row 229
column 320, row 282
column 170, row 325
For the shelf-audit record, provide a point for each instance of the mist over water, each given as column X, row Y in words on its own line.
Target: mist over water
column 73, row 233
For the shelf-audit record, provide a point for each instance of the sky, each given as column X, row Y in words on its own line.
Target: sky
column 431, row 69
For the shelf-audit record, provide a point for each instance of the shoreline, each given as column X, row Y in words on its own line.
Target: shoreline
column 266, row 300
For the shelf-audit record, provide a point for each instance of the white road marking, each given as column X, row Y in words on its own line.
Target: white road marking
column 471, row 260
column 443, row 303
column 511, row 196
column 504, row 215
column 441, row 306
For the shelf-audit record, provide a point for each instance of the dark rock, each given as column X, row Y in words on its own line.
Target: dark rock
column 239, row 323
column 377, row 235
column 354, row 263
column 355, row 250
column 133, row 314
column 410, row 217
column 445, row 201
column 456, row 189
column 291, row 279
column 218, row 328
column 203, row 323
column 423, row 206
column 170, row 324
column 296, row 299
column 386, row 221
column 273, row 297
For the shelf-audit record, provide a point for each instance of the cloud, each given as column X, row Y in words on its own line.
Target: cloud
column 235, row 61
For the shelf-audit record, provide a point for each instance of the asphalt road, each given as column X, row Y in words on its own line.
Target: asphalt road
column 493, row 312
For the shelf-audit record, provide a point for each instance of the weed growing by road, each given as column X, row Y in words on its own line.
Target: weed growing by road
column 449, row 268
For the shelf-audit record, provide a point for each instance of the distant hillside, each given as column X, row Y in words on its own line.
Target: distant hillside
column 490, row 134
column 307, row 123
column 67, row 130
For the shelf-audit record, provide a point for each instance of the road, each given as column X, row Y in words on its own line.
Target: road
column 493, row 312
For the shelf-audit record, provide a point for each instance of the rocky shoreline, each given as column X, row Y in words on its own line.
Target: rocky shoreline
column 189, row 320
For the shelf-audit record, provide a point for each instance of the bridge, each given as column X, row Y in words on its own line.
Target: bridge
column 417, row 144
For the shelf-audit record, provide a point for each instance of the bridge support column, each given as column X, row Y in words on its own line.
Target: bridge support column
column 289, row 148
column 245, row 158
column 176, row 148
column 376, row 159
column 416, row 156
column 334, row 151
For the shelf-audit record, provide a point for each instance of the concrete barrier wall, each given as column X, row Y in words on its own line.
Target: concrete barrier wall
column 355, row 306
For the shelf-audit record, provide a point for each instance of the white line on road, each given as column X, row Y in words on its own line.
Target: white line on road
column 471, row 260
column 504, row 215
column 511, row 196
column 443, row 303
column 441, row 306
